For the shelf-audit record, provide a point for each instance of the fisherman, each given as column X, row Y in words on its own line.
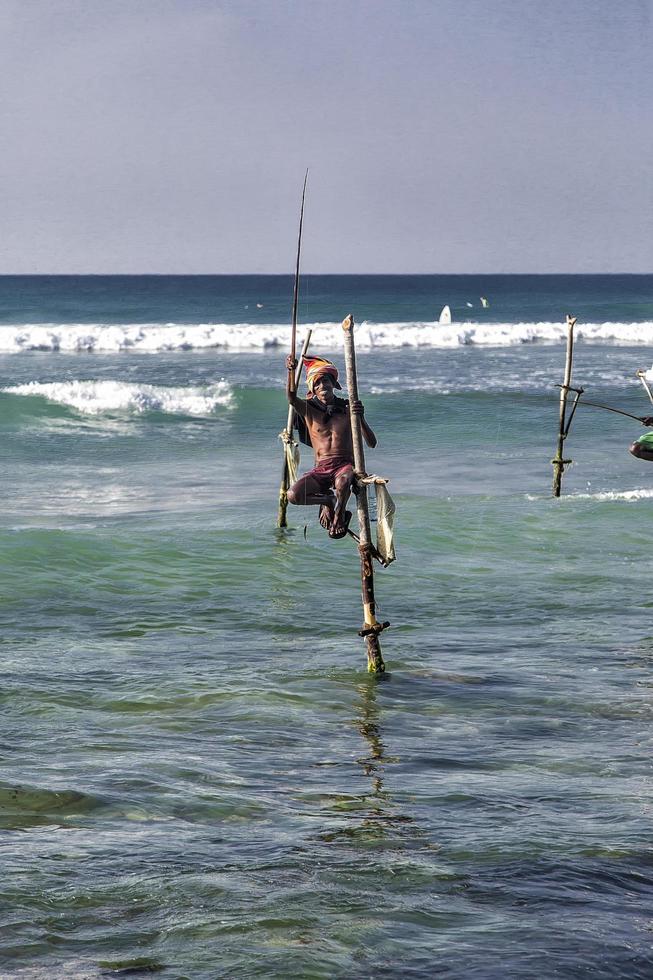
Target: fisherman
column 642, row 448
column 326, row 417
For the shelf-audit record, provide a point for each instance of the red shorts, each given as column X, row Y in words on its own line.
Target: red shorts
column 324, row 474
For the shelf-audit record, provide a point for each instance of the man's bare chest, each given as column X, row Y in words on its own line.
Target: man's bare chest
column 330, row 425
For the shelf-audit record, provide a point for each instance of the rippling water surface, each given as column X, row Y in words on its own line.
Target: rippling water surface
column 199, row 778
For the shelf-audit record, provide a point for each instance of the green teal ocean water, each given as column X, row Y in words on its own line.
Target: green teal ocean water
column 198, row 776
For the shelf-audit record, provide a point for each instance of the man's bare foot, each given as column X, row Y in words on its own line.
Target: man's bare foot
column 339, row 529
column 326, row 516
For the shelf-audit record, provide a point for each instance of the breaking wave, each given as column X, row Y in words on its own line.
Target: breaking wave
column 628, row 495
column 616, row 495
column 95, row 397
column 157, row 337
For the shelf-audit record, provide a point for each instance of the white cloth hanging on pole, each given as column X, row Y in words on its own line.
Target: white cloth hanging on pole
column 385, row 517
column 291, row 449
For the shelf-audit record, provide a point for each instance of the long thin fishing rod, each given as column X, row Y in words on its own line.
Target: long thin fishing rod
column 617, row 411
column 295, row 375
column 608, row 408
column 295, row 297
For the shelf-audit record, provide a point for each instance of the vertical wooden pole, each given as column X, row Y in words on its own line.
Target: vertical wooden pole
column 287, row 436
column 558, row 462
column 642, row 377
column 371, row 627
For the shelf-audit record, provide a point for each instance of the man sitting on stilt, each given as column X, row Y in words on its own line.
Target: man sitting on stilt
column 326, row 417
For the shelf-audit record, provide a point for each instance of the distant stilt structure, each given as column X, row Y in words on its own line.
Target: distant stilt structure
column 371, row 627
column 558, row 462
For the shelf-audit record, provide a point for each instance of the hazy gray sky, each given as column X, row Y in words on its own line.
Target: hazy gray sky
column 441, row 135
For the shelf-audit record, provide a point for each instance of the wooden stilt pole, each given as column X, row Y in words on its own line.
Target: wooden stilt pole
column 371, row 627
column 642, row 377
column 286, row 436
column 558, row 462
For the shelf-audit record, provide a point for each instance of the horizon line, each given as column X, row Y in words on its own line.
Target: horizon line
column 342, row 275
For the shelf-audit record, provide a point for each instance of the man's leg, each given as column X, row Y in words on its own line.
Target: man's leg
column 641, row 451
column 310, row 491
column 341, row 516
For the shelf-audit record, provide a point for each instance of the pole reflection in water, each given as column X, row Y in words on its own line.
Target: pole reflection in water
column 382, row 808
column 372, row 815
column 283, row 591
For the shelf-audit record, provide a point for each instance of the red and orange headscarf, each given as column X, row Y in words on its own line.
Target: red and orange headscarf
column 315, row 368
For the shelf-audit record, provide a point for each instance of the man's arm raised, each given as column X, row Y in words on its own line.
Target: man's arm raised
column 299, row 404
column 368, row 435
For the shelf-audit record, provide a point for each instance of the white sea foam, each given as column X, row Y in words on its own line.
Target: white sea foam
column 614, row 495
column 602, row 495
column 95, row 397
column 156, row 337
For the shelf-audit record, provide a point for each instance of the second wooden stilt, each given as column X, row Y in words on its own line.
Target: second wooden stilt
column 558, row 462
